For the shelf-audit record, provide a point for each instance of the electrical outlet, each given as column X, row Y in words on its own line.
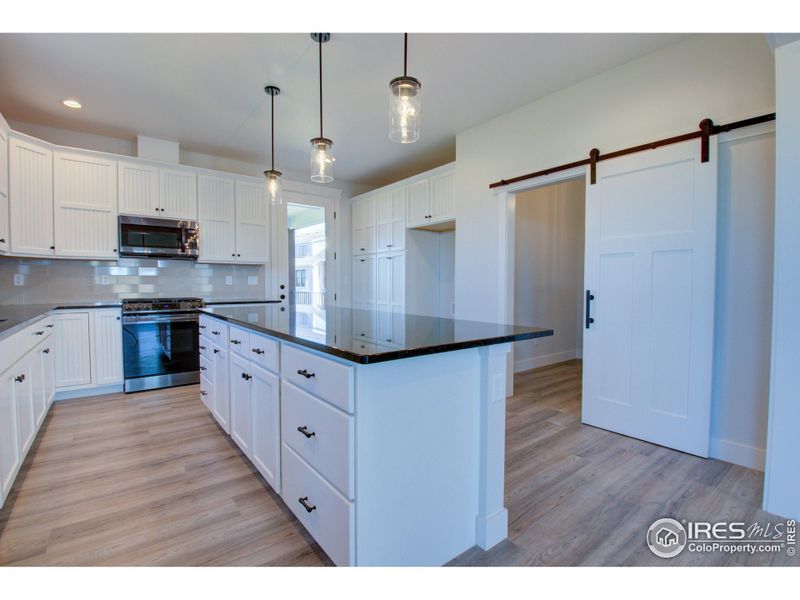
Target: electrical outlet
column 19, row 279
column 252, row 280
column 105, row 280
column 228, row 280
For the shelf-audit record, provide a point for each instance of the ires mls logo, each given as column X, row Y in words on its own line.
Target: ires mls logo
column 666, row 538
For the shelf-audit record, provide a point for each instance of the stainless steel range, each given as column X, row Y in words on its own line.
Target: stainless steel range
column 160, row 342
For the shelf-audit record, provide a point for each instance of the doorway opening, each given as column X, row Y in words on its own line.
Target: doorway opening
column 549, row 243
column 307, row 249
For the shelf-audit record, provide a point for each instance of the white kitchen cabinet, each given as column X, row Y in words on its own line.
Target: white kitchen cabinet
column 216, row 212
column 222, row 393
column 364, row 226
column 265, row 414
column 364, row 273
column 10, row 450
column 418, row 203
column 390, row 215
column 252, row 222
column 26, row 414
column 138, row 189
column 85, row 205
column 4, row 228
column 241, row 404
column 47, row 356
column 390, row 299
column 35, row 370
column 72, row 349
column 178, row 193
column 31, row 198
column 442, row 206
column 106, row 346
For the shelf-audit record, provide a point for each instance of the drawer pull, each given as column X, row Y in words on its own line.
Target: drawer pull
column 202, row 368
column 304, row 430
column 216, row 350
column 203, row 393
column 202, row 347
column 46, row 351
column 246, row 376
column 258, row 350
column 202, row 326
column 49, row 326
column 306, row 505
column 215, row 332
column 20, row 378
column 305, row 373
column 235, row 342
column 39, row 333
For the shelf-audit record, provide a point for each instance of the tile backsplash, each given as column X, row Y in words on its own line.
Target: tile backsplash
column 52, row 280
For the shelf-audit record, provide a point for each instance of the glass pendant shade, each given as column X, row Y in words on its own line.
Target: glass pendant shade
column 405, row 110
column 321, row 160
column 274, row 187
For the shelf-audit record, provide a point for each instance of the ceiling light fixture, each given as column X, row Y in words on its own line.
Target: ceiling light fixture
column 321, row 157
column 404, row 104
column 71, row 103
column 273, row 177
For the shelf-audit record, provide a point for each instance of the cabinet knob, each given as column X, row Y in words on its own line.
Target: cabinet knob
column 363, row 249
column 304, row 430
column 305, row 373
column 203, row 393
column 2, row 240
column 118, row 318
column 306, row 505
column 114, row 250
column 20, row 378
column 216, row 350
column 157, row 209
column 52, row 247
column 246, row 376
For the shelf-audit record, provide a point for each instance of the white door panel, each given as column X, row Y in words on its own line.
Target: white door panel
column 650, row 264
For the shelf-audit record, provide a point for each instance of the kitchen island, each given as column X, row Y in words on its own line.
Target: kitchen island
column 388, row 453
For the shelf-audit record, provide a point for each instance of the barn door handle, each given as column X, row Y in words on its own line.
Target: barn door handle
column 589, row 298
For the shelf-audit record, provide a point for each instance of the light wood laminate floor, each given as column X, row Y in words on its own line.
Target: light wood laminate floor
column 149, row 479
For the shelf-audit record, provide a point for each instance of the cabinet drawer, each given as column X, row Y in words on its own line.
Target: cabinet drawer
column 206, row 391
column 331, row 381
column 33, row 334
column 331, row 521
column 215, row 330
column 206, row 368
column 239, row 340
column 328, row 441
column 265, row 352
column 205, row 346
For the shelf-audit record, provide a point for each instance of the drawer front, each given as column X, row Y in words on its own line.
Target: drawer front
column 324, row 378
column 265, row 352
column 33, row 334
column 205, row 346
column 239, row 340
column 217, row 332
column 206, row 392
column 332, row 519
column 326, row 441
column 206, row 369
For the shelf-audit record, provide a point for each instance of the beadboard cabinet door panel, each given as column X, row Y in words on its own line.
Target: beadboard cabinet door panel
column 216, row 212
column 72, row 349
column 106, row 345
column 31, row 198
column 417, row 203
column 138, row 189
column 178, row 193
column 85, row 206
column 266, row 434
column 5, row 232
column 10, row 448
column 442, row 207
column 252, row 223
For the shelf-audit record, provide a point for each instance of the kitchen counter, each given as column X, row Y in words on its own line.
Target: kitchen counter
column 331, row 331
column 14, row 317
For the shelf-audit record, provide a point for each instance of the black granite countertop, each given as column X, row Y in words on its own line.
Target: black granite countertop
column 220, row 302
column 14, row 317
column 332, row 331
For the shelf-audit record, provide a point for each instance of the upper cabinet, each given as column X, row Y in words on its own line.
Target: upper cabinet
column 364, row 225
column 31, row 198
column 252, row 222
column 4, row 229
column 390, row 211
column 442, row 207
column 418, row 203
column 85, row 205
column 216, row 212
column 149, row 191
column 429, row 201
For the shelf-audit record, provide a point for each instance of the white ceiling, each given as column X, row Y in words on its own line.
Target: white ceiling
column 206, row 90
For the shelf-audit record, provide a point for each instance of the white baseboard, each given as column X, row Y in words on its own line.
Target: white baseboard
column 534, row 362
column 738, row 454
column 84, row 392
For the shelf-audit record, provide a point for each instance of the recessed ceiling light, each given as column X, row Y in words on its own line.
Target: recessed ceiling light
column 71, row 103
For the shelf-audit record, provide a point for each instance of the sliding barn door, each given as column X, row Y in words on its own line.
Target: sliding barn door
column 650, row 262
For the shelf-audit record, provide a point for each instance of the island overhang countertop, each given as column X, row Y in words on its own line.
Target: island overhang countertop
column 332, row 331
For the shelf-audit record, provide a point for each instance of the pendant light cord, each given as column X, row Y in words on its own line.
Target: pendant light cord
column 320, row 87
column 405, row 55
column 272, row 117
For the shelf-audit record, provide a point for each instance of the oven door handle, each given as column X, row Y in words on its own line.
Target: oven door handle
column 150, row 319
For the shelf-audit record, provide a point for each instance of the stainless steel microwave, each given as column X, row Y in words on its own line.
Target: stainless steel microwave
column 158, row 238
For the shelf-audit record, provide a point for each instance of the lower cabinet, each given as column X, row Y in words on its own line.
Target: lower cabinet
column 221, row 394
column 26, row 393
column 241, row 412
column 88, row 348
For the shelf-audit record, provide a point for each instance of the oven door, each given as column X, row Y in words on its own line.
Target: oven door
column 160, row 350
column 146, row 237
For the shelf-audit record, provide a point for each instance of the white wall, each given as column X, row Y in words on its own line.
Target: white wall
column 725, row 77
column 782, row 480
column 548, row 271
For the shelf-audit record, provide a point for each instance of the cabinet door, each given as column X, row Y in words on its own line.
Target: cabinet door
column 72, row 349
column 221, row 395
column 48, row 369
column 252, row 223
column 138, row 189
column 216, row 211
column 106, row 345
column 442, row 208
column 4, row 229
column 364, row 220
column 178, row 193
column 10, row 454
column 397, row 300
column 390, row 298
column 31, row 198
column 38, row 394
column 398, row 225
column 207, row 393
column 417, row 203
column 26, row 416
column 241, row 409
column 85, row 205
column 364, row 291
column 383, row 221
column 266, row 440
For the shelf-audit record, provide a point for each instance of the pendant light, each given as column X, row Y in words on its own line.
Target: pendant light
column 404, row 104
column 321, row 156
column 272, row 177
